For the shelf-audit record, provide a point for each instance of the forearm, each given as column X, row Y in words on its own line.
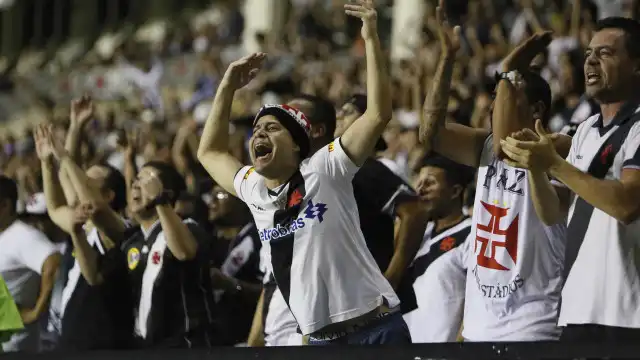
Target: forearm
column 72, row 142
column 86, row 257
column 607, row 195
column 130, row 170
column 506, row 116
column 378, row 96
column 215, row 136
column 435, row 105
column 79, row 180
column 179, row 238
column 407, row 243
column 67, row 188
column 47, row 280
column 52, row 190
column 256, row 334
column 545, row 199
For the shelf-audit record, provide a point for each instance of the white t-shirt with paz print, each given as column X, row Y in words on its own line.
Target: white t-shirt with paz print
column 514, row 275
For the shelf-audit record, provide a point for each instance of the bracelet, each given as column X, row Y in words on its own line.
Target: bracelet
column 511, row 76
column 162, row 199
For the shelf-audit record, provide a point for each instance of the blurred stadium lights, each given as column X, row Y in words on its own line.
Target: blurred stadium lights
column 6, row 3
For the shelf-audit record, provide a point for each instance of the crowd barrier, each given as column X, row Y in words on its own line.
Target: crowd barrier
column 540, row 350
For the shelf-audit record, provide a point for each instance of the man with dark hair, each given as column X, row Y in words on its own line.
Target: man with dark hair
column 28, row 264
column 599, row 182
column 381, row 198
column 514, row 271
column 303, row 205
column 438, row 272
column 95, row 313
column 168, row 261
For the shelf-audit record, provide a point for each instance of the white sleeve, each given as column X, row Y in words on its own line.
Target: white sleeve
column 34, row 249
column 333, row 161
column 631, row 149
column 238, row 257
column 245, row 181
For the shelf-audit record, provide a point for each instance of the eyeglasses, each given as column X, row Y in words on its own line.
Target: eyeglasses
column 221, row 195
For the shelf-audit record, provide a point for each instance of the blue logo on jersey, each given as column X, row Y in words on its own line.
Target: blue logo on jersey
column 316, row 210
column 312, row 211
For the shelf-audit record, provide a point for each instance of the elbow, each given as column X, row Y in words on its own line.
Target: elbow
column 92, row 280
column 627, row 215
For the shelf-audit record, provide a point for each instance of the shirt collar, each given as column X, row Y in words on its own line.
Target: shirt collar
column 627, row 110
column 146, row 233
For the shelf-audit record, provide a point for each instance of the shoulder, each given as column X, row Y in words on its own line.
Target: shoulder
column 585, row 126
column 25, row 231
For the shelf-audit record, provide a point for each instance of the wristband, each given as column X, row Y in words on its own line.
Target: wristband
column 162, row 199
column 512, row 76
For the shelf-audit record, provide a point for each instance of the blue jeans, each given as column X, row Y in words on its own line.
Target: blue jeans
column 389, row 330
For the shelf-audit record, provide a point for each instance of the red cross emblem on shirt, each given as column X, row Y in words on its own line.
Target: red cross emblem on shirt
column 155, row 258
column 494, row 232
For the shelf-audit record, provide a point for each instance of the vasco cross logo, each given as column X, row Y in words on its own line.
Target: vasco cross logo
column 311, row 212
column 489, row 238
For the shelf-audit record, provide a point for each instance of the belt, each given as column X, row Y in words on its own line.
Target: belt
column 382, row 312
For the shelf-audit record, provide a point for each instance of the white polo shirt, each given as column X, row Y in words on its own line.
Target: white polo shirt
column 311, row 230
column 603, row 286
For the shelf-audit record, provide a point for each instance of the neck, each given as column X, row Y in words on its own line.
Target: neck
column 454, row 216
column 146, row 224
column 6, row 222
column 275, row 182
column 609, row 111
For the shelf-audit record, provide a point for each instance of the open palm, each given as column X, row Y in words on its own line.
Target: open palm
column 43, row 145
column 242, row 71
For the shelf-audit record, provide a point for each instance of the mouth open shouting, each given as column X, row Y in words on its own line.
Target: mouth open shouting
column 263, row 151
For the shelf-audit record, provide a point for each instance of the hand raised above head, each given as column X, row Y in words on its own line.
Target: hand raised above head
column 82, row 110
column 364, row 10
column 448, row 36
column 242, row 71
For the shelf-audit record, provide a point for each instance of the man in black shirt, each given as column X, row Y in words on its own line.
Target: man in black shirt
column 168, row 261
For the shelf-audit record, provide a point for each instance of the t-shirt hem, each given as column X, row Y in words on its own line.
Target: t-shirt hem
column 344, row 316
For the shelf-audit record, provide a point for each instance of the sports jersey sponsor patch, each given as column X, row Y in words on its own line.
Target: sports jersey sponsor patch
column 312, row 211
column 246, row 176
column 331, row 147
column 133, row 258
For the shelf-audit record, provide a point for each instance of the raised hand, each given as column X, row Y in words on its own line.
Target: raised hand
column 150, row 187
column 82, row 110
column 364, row 10
column 449, row 37
column 56, row 145
column 81, row 214
column 241, row 72
column 523, row 54
column 43, row 147
column 538, row 155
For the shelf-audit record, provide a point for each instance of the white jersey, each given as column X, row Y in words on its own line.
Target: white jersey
column 311, row 231
column 514, row 275
column 439, row 272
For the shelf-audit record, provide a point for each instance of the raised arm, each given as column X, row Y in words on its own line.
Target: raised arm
column 460, row 143
column 359, row 139
column 85, row 254
column 180, row 240
column 507, row 117
column 105, row 219
column 213, row 151
column 57, row 208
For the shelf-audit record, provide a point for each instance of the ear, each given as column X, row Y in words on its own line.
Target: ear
column 318, row 131
column 538, row 110
column 456, row 191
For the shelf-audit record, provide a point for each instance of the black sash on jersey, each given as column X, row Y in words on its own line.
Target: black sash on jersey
column 600, row 165
column 282, row 248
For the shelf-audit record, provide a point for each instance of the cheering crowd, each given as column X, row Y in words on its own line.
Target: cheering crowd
column 425, row 202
